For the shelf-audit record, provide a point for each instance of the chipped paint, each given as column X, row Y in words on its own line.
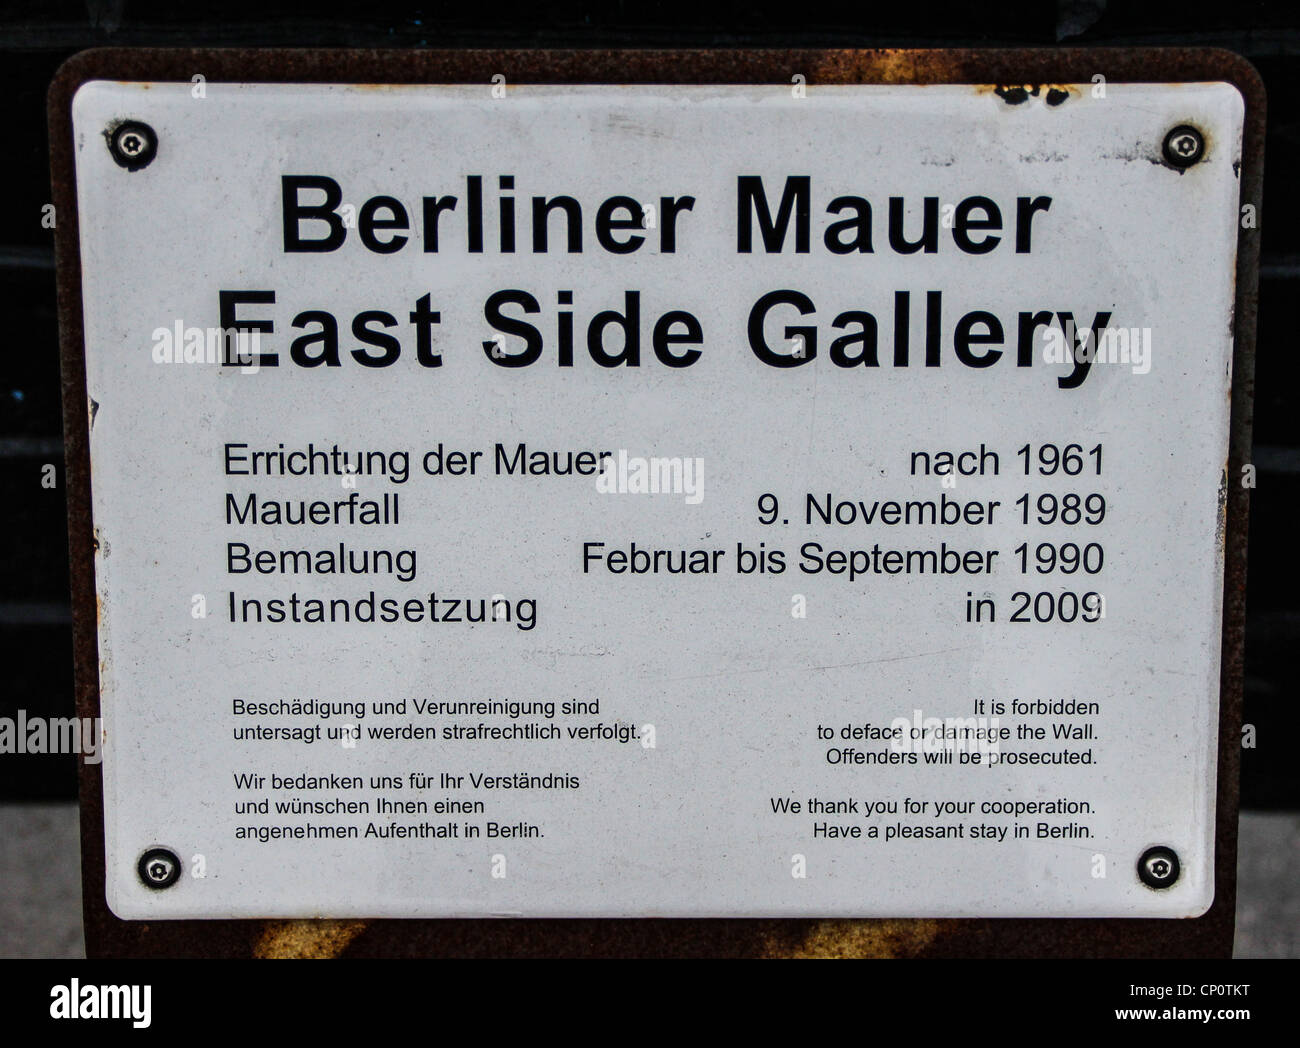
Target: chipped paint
column 1018, row 94
column 1221, row 519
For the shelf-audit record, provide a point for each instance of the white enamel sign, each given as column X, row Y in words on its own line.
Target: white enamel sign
column 658, row 501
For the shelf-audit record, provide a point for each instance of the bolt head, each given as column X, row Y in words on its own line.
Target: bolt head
column 1158, row 868
column 159, row 868
column 132, row 144
column 1184, row 145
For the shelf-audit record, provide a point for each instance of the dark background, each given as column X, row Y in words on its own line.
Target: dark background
column 35, row 623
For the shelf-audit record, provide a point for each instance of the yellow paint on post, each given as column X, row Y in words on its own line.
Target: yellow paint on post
column 306, row 940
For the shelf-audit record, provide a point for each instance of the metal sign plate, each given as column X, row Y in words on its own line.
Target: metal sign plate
column 656, row 500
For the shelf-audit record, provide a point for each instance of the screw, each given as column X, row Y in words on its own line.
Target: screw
column 159, row 868
column 1184, row 146
column 132, row 144
column 1158, row 867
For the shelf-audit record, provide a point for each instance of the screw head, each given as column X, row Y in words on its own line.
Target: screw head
column 159, row 868
column 132, row 144
column 1184, row 146
column 1158, row 867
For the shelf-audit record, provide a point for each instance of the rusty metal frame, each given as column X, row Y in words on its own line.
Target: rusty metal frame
column 1206, row 936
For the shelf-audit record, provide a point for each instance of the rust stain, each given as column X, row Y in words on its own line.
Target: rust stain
column 889, row 66
column 860, row 939
column 306, row 940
